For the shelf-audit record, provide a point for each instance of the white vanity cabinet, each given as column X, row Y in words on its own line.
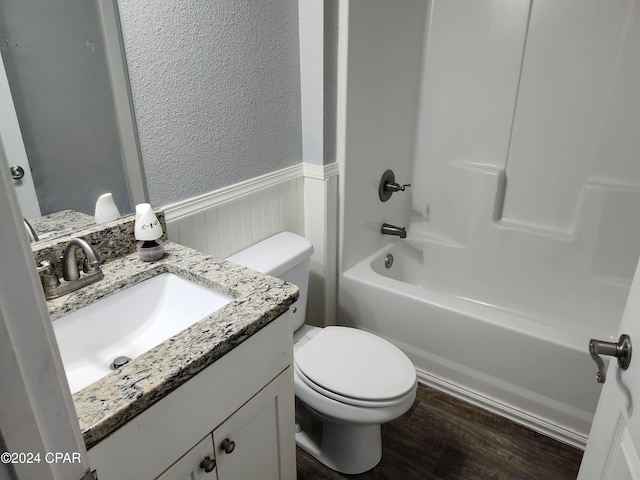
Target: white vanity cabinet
column 245, row 446
column 239, row 412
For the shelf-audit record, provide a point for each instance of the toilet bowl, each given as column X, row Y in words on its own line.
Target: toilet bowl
column 347, row 382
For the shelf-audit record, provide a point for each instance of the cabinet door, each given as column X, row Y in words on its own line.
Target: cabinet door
column 258, row 441
column 191, row 466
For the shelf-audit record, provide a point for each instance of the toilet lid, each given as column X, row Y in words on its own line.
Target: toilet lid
column 355, row 364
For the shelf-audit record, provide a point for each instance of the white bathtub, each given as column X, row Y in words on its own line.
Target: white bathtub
column 510, row 361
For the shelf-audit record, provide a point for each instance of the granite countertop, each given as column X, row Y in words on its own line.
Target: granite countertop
column 110, row 402
column 58, row 224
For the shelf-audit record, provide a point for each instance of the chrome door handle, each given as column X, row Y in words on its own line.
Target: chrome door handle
column 620, row 350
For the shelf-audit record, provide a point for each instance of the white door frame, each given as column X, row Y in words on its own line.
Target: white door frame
column 37, row 415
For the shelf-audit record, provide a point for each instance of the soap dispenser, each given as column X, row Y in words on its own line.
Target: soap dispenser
column 148, row 231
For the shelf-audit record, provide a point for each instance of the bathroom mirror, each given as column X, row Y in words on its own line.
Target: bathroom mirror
column 65, row 75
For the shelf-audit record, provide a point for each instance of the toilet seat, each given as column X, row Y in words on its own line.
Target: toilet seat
column 355, row 367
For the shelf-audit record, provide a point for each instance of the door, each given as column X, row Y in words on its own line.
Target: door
column 37, row 417
column 612, row 450
column 257, row 441
column 15, row 152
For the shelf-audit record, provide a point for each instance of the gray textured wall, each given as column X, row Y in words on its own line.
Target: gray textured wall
column 216, row 91
column 330, row 80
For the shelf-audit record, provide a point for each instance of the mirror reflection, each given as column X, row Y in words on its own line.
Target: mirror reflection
column 72, row 135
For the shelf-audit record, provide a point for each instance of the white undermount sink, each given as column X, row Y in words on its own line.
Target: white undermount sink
column 129, row 323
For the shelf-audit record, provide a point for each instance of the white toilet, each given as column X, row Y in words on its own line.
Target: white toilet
column 347, row 382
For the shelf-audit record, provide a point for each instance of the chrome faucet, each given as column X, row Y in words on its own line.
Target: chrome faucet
column 388, row 229
column 72, row 278
column 91, row 263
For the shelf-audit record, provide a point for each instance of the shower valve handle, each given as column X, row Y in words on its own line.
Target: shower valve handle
column 396, row 187
column 388, row 186
column 620, row 350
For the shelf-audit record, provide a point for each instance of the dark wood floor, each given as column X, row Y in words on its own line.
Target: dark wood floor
column 444, row 438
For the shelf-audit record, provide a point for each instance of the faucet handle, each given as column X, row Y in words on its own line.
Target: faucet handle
column 90, row 267
column 98, row 249
column 45, row 265
column 48, row 277
column 106, row 243
column 396, row 187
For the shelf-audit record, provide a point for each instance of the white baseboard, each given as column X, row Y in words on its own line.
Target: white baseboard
column 526, row 419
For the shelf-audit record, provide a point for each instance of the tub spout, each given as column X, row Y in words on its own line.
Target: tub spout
column 388, row 229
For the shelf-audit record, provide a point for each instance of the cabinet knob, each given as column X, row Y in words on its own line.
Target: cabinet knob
column 227, row 446
column 208, row 464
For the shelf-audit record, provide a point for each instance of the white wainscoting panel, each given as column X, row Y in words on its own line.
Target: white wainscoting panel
column 226, row 227
column 302, row 199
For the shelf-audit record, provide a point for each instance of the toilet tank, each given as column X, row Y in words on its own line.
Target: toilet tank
column 285, row 256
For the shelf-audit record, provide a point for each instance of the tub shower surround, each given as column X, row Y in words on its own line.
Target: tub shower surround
column 112, row 401
column 522, row 232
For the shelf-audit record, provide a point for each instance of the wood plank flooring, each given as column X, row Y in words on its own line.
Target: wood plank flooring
column 443, row 438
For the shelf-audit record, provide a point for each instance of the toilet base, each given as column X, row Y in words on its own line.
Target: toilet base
column 345, row 448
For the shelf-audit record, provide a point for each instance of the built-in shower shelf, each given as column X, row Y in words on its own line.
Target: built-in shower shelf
column 421, row 231
column 615, row 281
column 613, row 185
column 540, row 230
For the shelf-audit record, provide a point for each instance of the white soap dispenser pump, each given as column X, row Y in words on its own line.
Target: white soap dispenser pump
column 148, row 231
